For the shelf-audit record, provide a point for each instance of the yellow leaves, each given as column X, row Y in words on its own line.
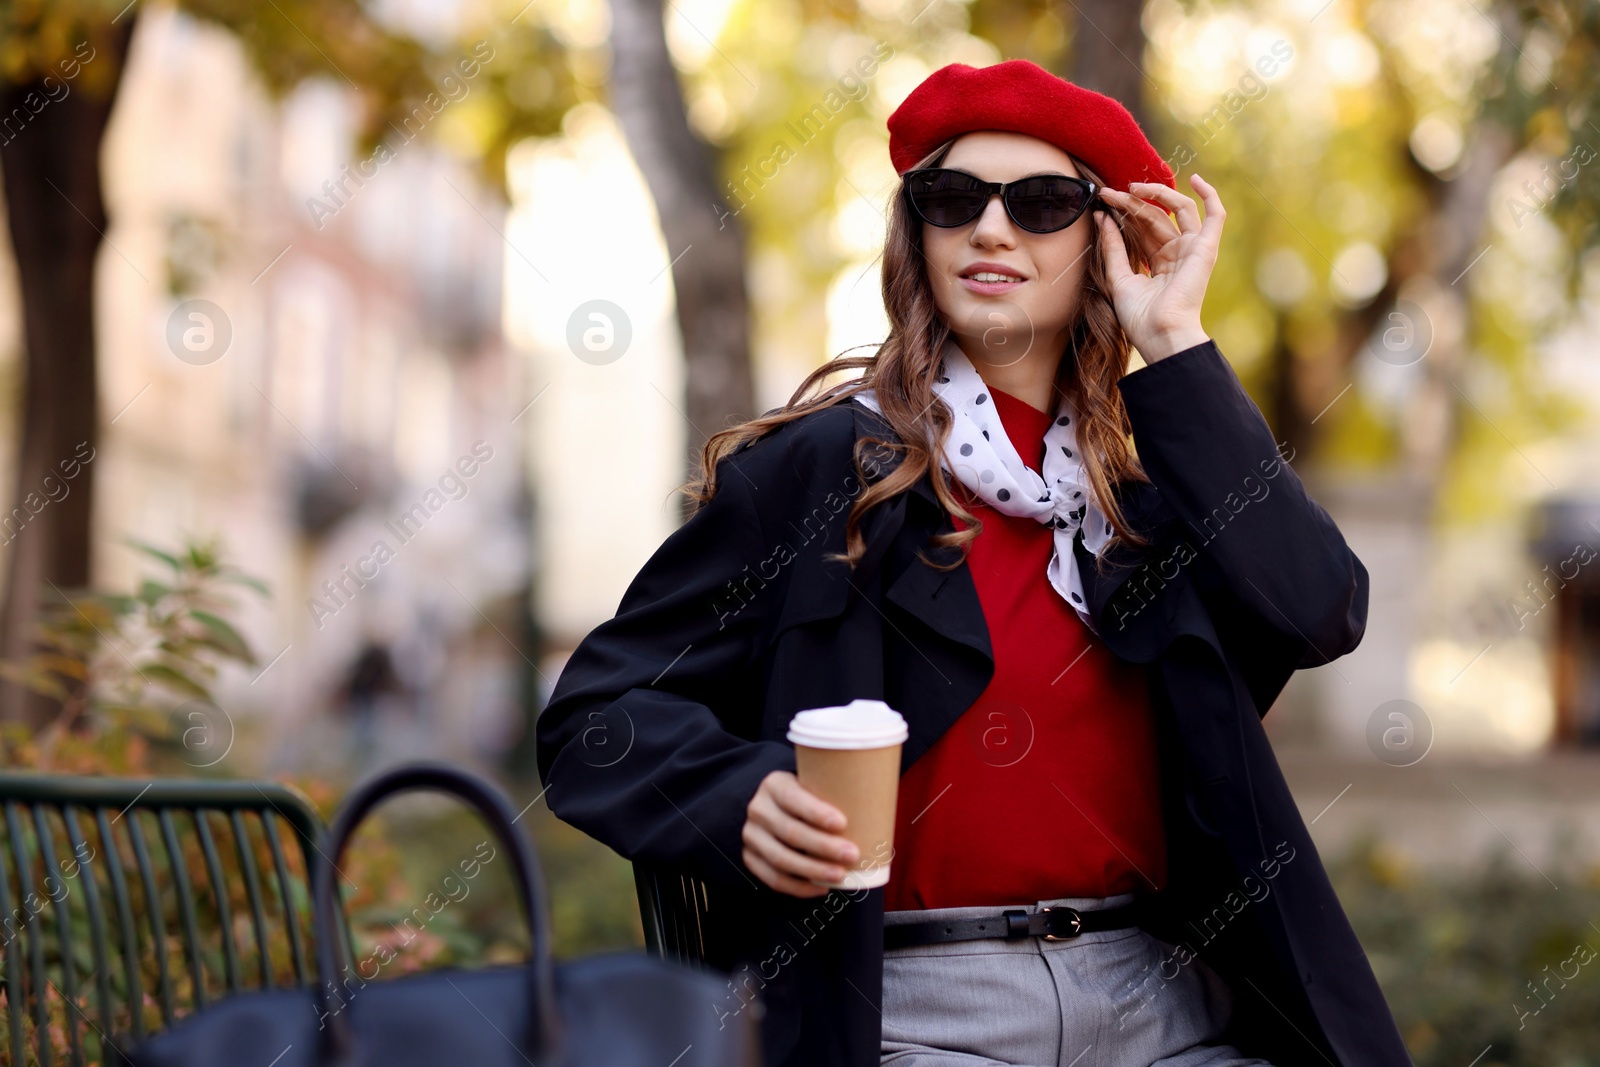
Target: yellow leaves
column 1421, row 1038
column 468, row 129
column 1548, row 132
column 31, row 677
column 1246, row 334
column 1387, row 867
column 1356, row 107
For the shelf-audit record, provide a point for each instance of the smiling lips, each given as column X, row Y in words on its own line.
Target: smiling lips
column 988, row 278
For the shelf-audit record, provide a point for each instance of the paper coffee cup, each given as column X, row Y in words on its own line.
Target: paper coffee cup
column 850, row 756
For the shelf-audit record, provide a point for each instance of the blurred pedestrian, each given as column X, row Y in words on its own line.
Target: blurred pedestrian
column 371, row 692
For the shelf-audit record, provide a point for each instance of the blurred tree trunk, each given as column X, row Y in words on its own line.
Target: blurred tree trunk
column 57, row 219
column 704, row 242
column 1290, row 422
column 1108, row 52
column 1444, row 247
column 1108, row 56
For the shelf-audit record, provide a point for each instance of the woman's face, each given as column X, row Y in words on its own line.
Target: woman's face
column 1002, row 323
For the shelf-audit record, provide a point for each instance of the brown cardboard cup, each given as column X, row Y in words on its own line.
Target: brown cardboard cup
column 850, row 757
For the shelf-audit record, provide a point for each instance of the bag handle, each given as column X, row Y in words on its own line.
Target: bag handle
column 492, row 805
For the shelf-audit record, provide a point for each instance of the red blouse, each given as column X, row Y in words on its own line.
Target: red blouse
column 1049, row 785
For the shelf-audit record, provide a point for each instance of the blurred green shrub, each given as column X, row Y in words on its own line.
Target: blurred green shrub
column 123, row 667
column 1472, row 963
column 441, row 892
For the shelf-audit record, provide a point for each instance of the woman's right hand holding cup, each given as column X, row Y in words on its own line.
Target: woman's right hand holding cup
column 792, row 836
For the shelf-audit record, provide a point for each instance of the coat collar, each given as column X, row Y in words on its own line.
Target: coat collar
column 947, row 601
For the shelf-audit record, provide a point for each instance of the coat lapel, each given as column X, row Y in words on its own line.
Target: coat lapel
column 945, row 600
column 1131, row 573
column 1143, row 507
column 1140, row 598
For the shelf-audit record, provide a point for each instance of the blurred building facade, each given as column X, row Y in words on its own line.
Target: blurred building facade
column 312, row 368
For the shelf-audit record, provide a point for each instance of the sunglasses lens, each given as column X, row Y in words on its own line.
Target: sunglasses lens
column 1046, row 203
column 1042, row 204
column 946, row 197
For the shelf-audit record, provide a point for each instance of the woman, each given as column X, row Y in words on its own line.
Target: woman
column 1096, row 860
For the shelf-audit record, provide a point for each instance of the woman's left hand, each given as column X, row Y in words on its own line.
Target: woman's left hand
column 1160, row 312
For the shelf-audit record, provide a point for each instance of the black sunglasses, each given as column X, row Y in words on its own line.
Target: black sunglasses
column 1043, row 203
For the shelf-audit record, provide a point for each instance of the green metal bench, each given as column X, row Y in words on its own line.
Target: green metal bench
column 137, row 941
column 673, row 910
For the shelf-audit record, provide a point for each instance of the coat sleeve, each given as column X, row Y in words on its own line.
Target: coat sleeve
column 1207, row 448
column 647, row 742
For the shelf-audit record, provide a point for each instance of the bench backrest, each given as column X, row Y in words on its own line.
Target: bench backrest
column 126, row 904
column 673, row 910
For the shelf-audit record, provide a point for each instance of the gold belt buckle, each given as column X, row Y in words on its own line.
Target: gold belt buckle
column 1077, row 922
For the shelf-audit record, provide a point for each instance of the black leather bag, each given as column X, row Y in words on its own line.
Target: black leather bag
column 615, row 1009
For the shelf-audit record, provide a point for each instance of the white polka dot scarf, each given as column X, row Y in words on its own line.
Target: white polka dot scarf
column 980, row 455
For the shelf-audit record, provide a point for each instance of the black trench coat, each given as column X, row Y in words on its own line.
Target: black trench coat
column 667, row 716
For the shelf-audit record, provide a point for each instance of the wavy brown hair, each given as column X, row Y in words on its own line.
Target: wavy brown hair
column 902, row 373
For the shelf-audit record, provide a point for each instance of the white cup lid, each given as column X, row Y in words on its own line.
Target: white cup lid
column 859, row 724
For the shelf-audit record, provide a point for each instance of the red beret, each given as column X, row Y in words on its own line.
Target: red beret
column 1023, row 97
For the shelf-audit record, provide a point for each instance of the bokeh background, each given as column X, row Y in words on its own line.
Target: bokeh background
column 350, row 355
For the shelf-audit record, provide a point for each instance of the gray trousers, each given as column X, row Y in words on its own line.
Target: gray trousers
column 1108, row 998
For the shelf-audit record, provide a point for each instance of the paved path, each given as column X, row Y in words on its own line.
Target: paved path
column 1450, row 813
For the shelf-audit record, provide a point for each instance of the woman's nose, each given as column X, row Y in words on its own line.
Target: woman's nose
column 994, row 226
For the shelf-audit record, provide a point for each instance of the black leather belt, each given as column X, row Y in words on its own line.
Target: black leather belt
column 1059, row 923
